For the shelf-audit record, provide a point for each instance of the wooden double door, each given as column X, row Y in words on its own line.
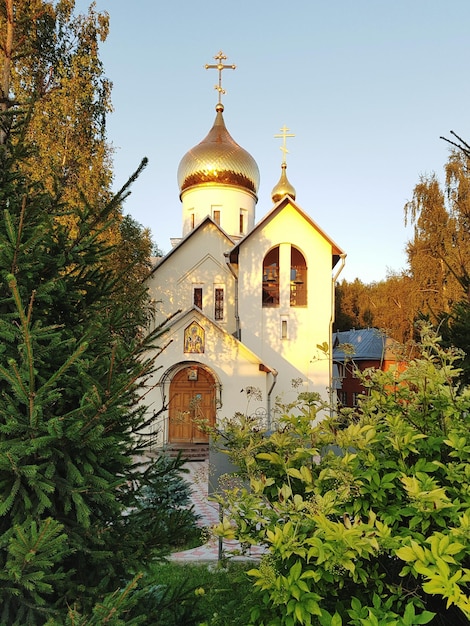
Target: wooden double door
column 192, row 404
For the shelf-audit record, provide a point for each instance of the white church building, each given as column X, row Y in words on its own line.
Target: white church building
column 244, row 305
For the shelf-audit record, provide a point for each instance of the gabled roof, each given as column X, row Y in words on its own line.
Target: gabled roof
column 367, row 344
column 277, row 208
column 196, row 312
column 191, row 234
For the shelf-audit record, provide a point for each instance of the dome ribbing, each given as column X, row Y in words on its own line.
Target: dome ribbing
column 218, row 159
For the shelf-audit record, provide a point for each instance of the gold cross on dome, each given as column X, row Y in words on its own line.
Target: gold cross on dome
column 285, row 134
column 219, row 66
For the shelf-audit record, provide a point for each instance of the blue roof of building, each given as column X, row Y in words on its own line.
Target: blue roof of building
column 367, row 344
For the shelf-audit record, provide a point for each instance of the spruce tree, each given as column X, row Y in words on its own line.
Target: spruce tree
column 72, row 361
column 75, row 523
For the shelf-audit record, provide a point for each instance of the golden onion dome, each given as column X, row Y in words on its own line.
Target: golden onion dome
column 218, row 159
column 283, row 187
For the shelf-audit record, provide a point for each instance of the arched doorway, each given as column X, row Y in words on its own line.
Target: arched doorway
column 192, row 400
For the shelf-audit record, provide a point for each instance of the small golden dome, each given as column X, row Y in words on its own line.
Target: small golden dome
column 283, row 187
column 218, row 159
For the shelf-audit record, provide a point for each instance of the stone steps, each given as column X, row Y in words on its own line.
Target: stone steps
column 189, row 451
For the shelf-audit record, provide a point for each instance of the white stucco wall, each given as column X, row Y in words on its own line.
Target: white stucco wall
column 203, row 199
column 233, row 365
column 297, row 355
column 199, row 262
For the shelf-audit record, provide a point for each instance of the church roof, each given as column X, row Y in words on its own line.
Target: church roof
column 277, row 208
column 218, row 159
column 207, row 220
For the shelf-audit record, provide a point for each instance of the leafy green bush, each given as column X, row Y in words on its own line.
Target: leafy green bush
column 367, row 523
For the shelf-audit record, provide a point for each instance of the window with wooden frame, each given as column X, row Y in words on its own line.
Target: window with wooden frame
column 197, row 297
column 219, row 303
column 243, row 214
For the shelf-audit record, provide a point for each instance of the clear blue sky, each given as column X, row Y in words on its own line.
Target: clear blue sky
column 366, row 86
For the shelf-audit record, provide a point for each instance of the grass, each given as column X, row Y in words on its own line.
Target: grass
column 215, row 595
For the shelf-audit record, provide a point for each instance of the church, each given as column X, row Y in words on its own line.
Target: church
column 246, row 307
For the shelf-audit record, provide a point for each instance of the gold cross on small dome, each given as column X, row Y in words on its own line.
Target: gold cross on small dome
column 285, row 134
column 220, row 67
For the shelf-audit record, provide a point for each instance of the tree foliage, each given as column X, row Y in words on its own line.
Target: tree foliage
column 436, row 284
column 437, row 254
column 366, row 524
column 51, row 71
column 385, row 304
column 78, row 516
column 51, row 66
column 73, row 365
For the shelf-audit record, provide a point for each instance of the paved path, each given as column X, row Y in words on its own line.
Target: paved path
column 209, row 516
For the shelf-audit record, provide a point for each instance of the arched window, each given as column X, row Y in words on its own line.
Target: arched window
column 271, row 278
column 298, row 278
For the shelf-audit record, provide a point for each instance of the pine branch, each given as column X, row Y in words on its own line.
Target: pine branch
column 25, row 323
column 63, row 368
column 18, row 236
column 11, row 379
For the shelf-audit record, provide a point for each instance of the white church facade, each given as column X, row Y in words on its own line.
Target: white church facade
column 243, row 305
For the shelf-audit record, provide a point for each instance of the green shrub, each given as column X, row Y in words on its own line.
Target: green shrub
column 366, row 523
